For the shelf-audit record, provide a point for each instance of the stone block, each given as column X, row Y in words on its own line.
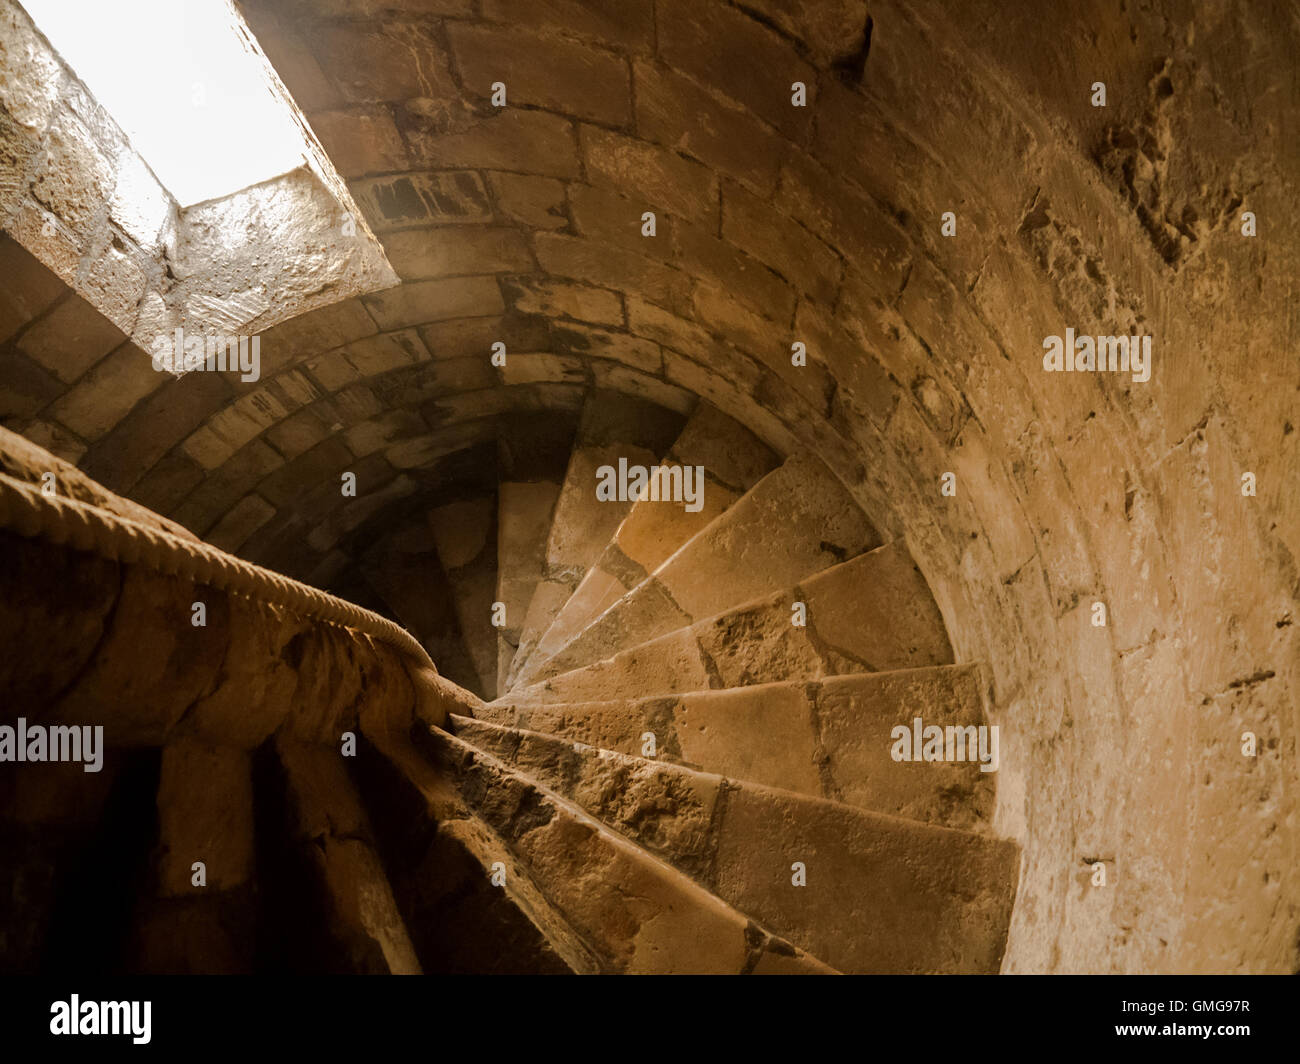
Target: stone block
column 616, row 23
column 154, row 426
column 564, row 299
column 658, row 180
column 205, row 812
column 764, row 734
column 138, row 701
column 360, row 141
column 872, row 883
column 725, row 47
column 534, row 201
column 25, row 387
column 599, row 263
column 677, row 113
column 425, row 301
column 419, row 254
column 77, row 177
column 756, row 227
column 845, row 220
column 70, row 338
column 314, row 333
column 30, row 287
column 508, row 138
column 546, row 72
column 834, row 31
column 247, row 516
column 612, row 216
column 617, row 347
column 384, row 62
column 387, row 351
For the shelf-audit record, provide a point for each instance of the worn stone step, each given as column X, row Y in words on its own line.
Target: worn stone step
column 441, row 857
column 793, row 523
column 870, row 614
column 731, row 458
column 533, row 451
column 882, row 894
column 612, row 426
column 636, row 912
column 830, row 738
column 524, row 513
column 465, row 534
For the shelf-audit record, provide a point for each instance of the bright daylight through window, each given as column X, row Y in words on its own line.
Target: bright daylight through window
column 183, row 85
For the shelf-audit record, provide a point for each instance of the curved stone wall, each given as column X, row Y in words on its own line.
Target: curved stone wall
column 823, row 225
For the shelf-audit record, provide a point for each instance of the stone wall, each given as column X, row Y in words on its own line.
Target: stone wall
column 777, row 224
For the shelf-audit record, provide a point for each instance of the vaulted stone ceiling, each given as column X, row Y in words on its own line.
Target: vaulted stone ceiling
column 822, row 225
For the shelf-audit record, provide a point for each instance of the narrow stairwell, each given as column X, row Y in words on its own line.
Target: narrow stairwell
column 660, row 740
column 687, row 765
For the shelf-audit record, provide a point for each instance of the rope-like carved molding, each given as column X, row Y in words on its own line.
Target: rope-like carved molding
column 26, row 510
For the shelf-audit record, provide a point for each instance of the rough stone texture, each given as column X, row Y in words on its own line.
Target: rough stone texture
column 668, row 811
column 142, row 701
column 892, row 626
column 653, row 921
column 856, row 716
column 612, row 427
column 830, row 738
column 882, row 895
column 730, row 459
column 443, row 856
column 923, row 358
column 59, row 605
column 257, row 671
column 680, row 815
column 205, row 808
column 523, row 523
column 205, row 815
column 744, row 553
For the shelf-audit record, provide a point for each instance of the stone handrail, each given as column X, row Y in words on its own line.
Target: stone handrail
column 27, row 510
column 332, row 663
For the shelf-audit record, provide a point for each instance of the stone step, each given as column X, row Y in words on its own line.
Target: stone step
column 612, row 426
column 881, row 894
column 870, row 614
column 732, row 460
column 524, row 513
column 634, row 911
column 532, row 455
column 793, row 523
column 441, row 857
column 465, row 534
column 830, row 738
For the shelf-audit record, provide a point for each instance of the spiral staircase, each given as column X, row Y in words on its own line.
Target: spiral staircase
column 469, row 719
column 663, row 745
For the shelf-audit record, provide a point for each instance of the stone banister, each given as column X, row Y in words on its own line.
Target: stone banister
column 166, row 634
